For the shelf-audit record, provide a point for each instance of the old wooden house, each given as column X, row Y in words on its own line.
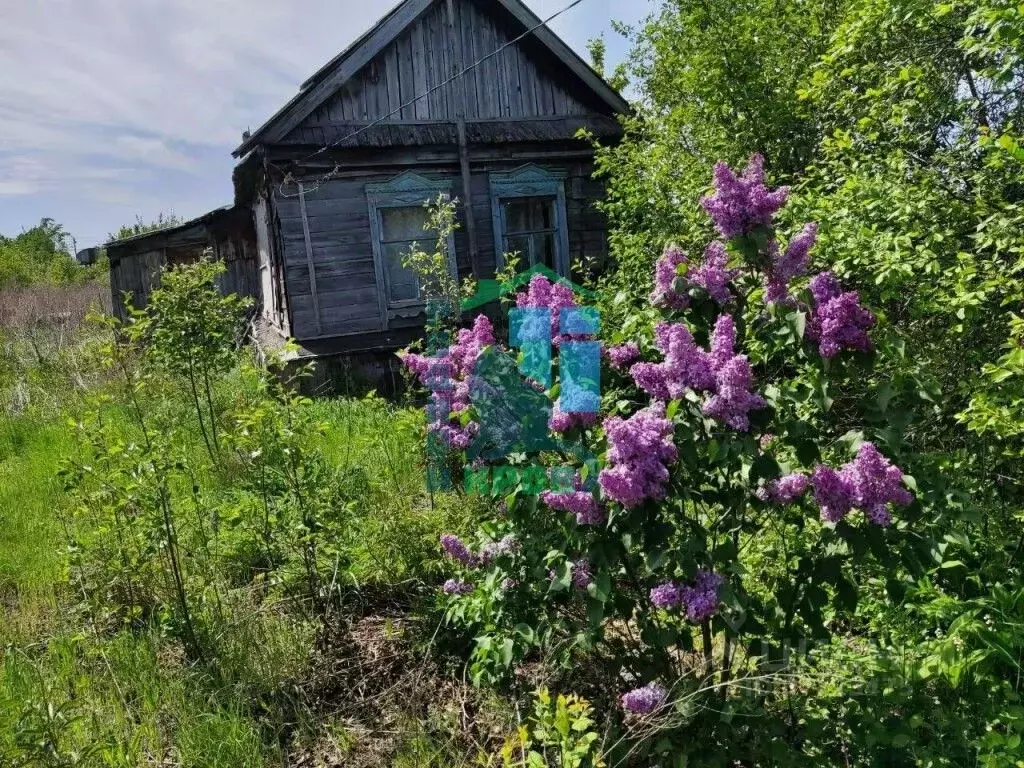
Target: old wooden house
column 474, row 99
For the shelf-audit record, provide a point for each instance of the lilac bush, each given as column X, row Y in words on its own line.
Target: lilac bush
column 713, row 442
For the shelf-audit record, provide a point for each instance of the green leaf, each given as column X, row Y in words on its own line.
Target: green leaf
column 506, row 652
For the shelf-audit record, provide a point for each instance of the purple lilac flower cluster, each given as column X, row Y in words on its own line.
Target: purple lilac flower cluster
column 838, row 320
column 742, row 203
column 667, row 595
column 700, row 598
column 665, row 294
column 542, row 293
column 870, row 483
column 456, row 549
column 447, row 377
column 687, row 366
column 645, row 700
column 580, row 503
column 640, row 448
column 457, row 587
column 582, row 575
column 789, row 264
column 561, row 421
column 734, row 378
column 623, row 355
column 712, row 274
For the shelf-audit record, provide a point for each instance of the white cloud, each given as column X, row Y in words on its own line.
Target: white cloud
column 116, row 99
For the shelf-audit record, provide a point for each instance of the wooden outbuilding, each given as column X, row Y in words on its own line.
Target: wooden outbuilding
column 474, row 99
column 226, row 234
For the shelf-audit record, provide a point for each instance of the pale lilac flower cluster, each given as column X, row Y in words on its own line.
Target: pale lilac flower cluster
column 665, row 294
column 700, row 598
column 645, row 700
column 623, row 355
column 447, row 377
column 640, row 448
column 742, row 203
column 732, row 400
column 457, row 587
column 838, row 320
column 712, row 274
column 582, row 575
column 561, row 421
column 580, row 503
column 870, row 483
column 508, row 545
column 789, row 264
column 542, row 293
column 786, row 489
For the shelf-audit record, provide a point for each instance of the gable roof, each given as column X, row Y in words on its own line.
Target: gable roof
column 346, row 65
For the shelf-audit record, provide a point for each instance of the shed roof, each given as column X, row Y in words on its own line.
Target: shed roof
column 198, row 221
column 347, row 64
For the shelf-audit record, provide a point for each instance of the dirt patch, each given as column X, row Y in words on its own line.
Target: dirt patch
column 375, row 697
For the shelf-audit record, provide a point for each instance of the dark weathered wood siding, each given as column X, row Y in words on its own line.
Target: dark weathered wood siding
column 338, row 225
column 520, row 82
column 135, row 265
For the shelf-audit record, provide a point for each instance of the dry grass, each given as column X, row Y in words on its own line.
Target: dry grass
column 64, row 307
column 42, row 331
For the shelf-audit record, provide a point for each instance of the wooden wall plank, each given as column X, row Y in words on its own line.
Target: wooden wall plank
column 468, row 49
column 309, row 259
column 394, row 88
column 407, row 87
column 419, row 73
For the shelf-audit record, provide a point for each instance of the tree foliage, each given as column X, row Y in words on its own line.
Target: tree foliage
column 41, row 254
column 142, row 227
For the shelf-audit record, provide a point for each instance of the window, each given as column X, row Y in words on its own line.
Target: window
column 399, row 229
column 531, row 229
column 528, row 207
column 397, row 216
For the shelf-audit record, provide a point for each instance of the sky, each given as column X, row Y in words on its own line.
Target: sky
column 115, row 108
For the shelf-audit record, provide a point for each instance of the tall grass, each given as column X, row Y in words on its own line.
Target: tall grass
column 74, row 692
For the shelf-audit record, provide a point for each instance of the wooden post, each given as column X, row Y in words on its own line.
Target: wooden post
column 309, row 260
column 455, row 42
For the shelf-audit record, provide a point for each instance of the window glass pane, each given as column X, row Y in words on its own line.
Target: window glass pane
column 529, row 214
column 520, row 245
column 403, row 223
column 402, row 282
column 544, row 249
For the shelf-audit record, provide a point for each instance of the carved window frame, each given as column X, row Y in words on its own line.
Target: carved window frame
column 530, row 181
column 406, row 190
